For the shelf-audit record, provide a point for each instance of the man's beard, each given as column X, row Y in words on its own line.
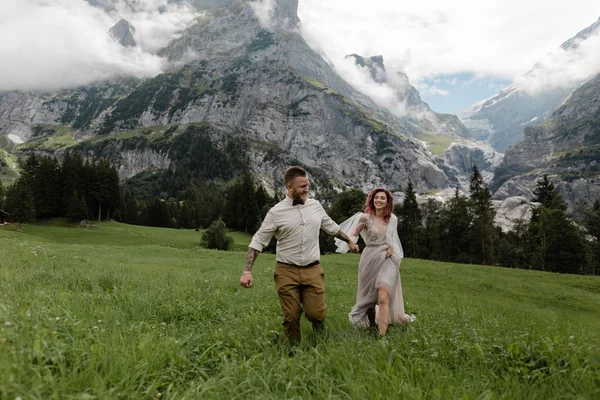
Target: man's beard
column 297, row 199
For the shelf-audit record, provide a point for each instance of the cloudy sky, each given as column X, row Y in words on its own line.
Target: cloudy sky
column 52, row 44
column 459, row 52
column 455, row 53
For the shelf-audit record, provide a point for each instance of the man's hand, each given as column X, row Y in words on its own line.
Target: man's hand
column 353, row 246
column 246, row 280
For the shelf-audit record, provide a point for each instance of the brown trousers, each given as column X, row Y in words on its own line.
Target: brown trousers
column 300, row 289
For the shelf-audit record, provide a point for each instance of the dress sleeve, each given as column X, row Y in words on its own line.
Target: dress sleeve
column 349, row 227
column 393, row 239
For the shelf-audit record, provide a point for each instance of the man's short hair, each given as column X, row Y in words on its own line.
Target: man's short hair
column 292, row 173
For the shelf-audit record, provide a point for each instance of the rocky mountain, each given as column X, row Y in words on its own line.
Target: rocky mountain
column 240, row 80
column 243, row 91
column 501, row 119
column 419, row 116
column 566, row 147
column 123, row 33
column 443, row 135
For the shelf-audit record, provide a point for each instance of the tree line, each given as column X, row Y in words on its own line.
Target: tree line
column 460, row 230
column 75, row 189
column 90, row 189
column 241, row 205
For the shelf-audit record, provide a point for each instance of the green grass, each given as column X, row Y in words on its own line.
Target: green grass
column 149, row 133
column 60, row 139
column 319, row 85
column 119, row 311
column 437, row 144
column 8, row 168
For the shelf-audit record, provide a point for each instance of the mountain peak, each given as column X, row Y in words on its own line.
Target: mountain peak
column 374, row 64
column 574, row 42
column 277, row 14
column 123, row 32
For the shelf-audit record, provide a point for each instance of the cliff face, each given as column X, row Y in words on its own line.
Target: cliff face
column 502, row 119
column 419, row 119
column 566, row 148
column 248, row 77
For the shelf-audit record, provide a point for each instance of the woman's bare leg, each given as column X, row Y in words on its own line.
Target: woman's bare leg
column 383, row 318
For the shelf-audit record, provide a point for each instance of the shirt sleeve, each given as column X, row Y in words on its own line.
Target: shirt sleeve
column 327, row 224
column 263, row 236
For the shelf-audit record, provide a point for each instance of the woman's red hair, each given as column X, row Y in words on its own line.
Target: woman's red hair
column 370, row 206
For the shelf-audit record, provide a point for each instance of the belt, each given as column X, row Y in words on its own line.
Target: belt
column 312, row 264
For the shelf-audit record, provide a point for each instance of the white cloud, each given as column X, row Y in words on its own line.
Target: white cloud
column 563, row 69
column 434, row 90
column 53, row 44
column 156, row 22
column 264, row 10
column 493, row 39
column 360, row 78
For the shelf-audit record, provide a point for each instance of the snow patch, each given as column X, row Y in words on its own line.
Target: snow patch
column 16, row 139
column 499, row 98
column 530, row 121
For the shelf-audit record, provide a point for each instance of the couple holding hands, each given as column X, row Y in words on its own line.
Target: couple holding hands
column 299, row 279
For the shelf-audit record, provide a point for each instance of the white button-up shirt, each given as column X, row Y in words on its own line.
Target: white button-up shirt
column 296, row 229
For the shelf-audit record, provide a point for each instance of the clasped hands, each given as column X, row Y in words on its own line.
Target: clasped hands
column 389, row 252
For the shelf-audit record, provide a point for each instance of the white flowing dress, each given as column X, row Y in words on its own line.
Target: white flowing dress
column 375, row 270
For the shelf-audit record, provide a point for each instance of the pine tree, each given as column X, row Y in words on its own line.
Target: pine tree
column 482, row 230
column 157, row 214
column 590, row 219
column 184, row 217
column 547, row 196
column 431, row 245
column 30, row 169
column 2, row 196
column 560, row 246
column 20, row 204
column 210, row 207
column 242, row 209
column 455, row 222
column 554, row 242
column 512, row 246
column 77, row 209
column 593, row 226
column 248, row 205
column 128, row 209
column 70, row 175
column 410, row 221
column 45, row 184
column 263, row 201
column 108, row 192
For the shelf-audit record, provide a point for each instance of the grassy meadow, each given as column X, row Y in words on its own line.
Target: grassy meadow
column 115, row 311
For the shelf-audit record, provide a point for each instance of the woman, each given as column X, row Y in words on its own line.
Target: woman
column 378, row 272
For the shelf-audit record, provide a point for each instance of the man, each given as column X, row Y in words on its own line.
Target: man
column 295, row 221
